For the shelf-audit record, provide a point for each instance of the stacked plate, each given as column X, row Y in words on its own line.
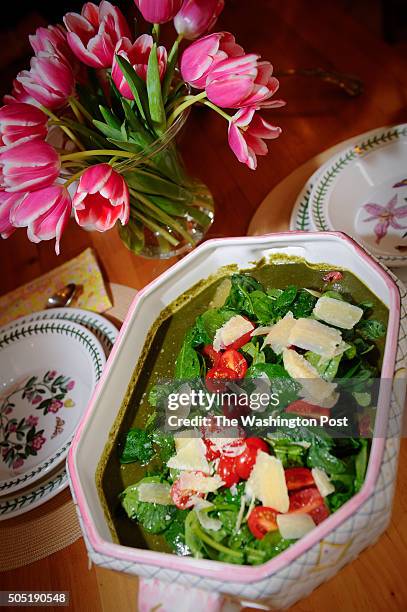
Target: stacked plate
column 362, row 191
column 50, row 363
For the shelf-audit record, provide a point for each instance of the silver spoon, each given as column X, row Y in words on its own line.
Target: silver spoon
column 64, row 296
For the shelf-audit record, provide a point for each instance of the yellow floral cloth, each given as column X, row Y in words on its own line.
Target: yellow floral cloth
column 82, row 270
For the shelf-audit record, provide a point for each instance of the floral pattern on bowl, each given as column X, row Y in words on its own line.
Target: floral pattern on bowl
column 23, row 437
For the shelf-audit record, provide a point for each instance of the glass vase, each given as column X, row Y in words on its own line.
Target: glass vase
column 170, row 211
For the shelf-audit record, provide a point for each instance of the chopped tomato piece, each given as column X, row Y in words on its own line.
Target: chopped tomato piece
column 305, row 408
column 217, row 377
column 183, row 498
column 320, row 513
column 247, row 459
column 212, row 452
column 298, row 478
column 309, row 501
column 332, row 276
column 227, row 471
column 209, row 352
column 233, row 360
column 237, row 344
column 262, row 519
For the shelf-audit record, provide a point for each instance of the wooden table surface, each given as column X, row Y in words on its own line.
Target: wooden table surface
column 295, row 33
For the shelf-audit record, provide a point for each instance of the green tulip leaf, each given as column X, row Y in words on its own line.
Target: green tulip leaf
column 136, row 84
column 155, row 99
column 109, row 117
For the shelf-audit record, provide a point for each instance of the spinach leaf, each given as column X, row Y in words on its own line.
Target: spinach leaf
column 175, row 534
column 194, row 542
column 137, row 447
column 282, row 384
column 208, row 323
column 164, row 445
column 283, row 303
column 239, row 298
column 289, row 453
column 327, row 368
column 303, row 305
column 262, row 307
column 253, row 350
column 187, row 365
column 154, row 518
column 268, row 547
column 371, row 329
column 321, row 457
column 334, row 294
column 274, row 292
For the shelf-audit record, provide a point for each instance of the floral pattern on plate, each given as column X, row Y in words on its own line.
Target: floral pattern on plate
column 21, row 438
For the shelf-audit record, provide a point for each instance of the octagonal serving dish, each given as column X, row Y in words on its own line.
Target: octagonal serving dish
column 319, row 555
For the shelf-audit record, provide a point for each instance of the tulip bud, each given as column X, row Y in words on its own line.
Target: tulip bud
column 102, row 197
column 50, row 80
column 197, row 17
column 158, row 11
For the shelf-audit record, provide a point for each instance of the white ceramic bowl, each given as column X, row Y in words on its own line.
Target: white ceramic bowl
column 316, row 557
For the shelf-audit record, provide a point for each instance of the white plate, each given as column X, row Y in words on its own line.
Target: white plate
column 29, row 498
column 48, row 370
column 363, row 191
column 101, row 327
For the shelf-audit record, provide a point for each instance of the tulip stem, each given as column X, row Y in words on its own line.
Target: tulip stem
column 218, row 110
column 63, row 127
column 96, row 153
column 79, row 107
column 184, row 105
column 156, row 32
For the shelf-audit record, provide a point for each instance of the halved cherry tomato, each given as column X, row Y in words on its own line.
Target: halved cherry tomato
column 212, row 452
column 216, row 377
column 309, row 501
column 233, row 360
column 305, row 408
column 227, row 471
column 183, row 498
column 298, row 478
column 333, row 275
column 262, row 519
column 246, row 461
column 212, row 355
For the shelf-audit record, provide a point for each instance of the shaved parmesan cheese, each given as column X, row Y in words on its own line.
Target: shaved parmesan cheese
column 314, row 336
column 278, row 337
column 337, row 312
column 240, row 515
column 316, row 388
column 322, row 481
column 316, row 294
column 206, row 521
column 327, row 402
column 194, row 481
column 181, row 438
column 267, row 482
column 191, row 457
column 155, row 493
column 233, row 329
column 262, row 331
column 294, row 526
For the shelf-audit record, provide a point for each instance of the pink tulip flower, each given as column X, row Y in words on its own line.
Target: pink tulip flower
column 102, row 197
column 19, row 94
column 50, row 81
column 94, row 33
column 52, row 40
column 45, row 213
column 197, row 17
column 20, row 122
column 246, row 133
column 28, row 165
column 137, row 54
column 242, row 81
column 158, row 11
column 204, row 54
column 7, row 203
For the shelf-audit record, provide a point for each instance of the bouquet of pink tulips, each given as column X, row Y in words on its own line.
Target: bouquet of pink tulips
column 88, row 131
